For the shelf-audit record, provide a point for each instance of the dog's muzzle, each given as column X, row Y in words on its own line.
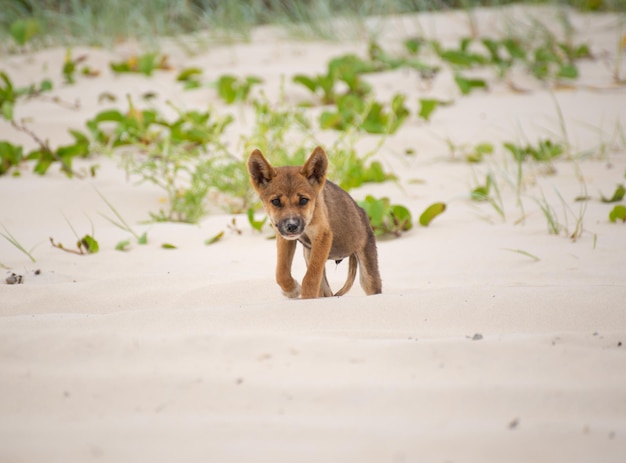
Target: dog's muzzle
column 291, row 228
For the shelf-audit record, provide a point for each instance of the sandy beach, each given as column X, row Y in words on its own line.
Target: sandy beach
column 493, row 341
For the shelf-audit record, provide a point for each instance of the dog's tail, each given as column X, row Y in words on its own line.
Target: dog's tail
column 351, row 276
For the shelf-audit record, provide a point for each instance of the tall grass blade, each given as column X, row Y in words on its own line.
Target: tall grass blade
column 11, row 239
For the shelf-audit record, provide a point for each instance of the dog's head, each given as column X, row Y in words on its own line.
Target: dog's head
column 289, row 193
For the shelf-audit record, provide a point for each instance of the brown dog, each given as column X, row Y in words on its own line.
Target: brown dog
column 303, row 206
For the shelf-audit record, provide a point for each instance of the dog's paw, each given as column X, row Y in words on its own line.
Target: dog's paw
column 295, row 292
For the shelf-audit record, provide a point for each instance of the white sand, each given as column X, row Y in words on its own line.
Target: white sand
column 193, row 354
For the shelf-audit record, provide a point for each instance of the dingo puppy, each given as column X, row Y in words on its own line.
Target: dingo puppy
column 303, row 206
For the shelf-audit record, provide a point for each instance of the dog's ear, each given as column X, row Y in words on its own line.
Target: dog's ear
column 315, row 167
column 261, row 172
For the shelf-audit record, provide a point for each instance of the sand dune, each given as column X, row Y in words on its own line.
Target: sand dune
column 493, row 340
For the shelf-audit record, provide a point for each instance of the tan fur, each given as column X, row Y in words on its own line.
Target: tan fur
column 303, row 206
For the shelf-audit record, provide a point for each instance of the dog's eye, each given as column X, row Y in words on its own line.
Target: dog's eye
column 276, row 202
column 303, row 201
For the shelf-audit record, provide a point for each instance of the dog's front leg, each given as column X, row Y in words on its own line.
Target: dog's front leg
column 286, row 249
column 312, row 281
column 325, row 290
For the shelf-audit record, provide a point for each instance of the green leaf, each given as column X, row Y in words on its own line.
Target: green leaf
column 467, row 85
column 582, row 51
column 346, row 66
column 44, row 161
column 79, row 137
column 122, row 245
column 22, row 30
column 431, row 212
column 256, row 224
column 192, row 84
column 232, row 89
column 517, row 151
column 214, row 239
column 188, row 74
column 70, row 151
column 7, row 110
column 253, row 80
column 143, row 239
column 479, row 152
column 168, row 246
column 480, row 193
column 120, row 67
column 465, row 43
column 386, row 218
column 111, row 115
column 307, row 81
column 413, row 45
column 545, row 151
column 618, row 195
column 427, row 106
column 45, row 85
column 147, row 63
column 546, row 54
column 568, row 71
column 401, row 217
column 515, row 48
column 539, row 70
column 457, row 57
column 69, row 68
column 375, row 209
column 89, row 244
column 226, row 88
column 618, row 213
column 375, row 173
column 10, row 155
column 484, row 148
column 492, row 47
column 332, row 120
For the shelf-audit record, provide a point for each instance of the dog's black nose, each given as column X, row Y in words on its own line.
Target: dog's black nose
column 291, row 226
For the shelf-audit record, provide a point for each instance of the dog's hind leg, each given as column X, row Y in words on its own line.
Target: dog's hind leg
column 368, row 267
column 325, row 290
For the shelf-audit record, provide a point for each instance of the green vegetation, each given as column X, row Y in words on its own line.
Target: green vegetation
column 232, row 89
column 44, row 155
column 145, row 64
column 428, row 106
column 70, row 67
column 187, row 155
column 474, row 154
column 541, row 54
column 369, row 116
column 85, row 245
column 14, row 241
column 545, row 151
column 618, row 195
column 214, row 238
column 346, row 69
column 386, row 218
column 490, row 193
column 35, row 23
column 618, row 213
column 431, row 212
column 10, row 94
column 120, row 223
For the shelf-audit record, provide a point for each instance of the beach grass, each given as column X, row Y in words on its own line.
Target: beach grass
column 57, row 22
